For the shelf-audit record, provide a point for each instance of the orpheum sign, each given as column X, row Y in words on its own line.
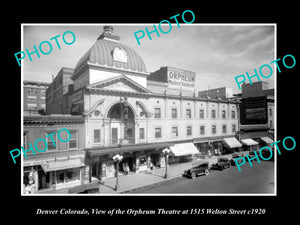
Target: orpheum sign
column 176, row 78
column 181, row 78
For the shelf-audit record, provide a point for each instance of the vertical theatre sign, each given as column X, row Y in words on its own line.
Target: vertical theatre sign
column 181, row 78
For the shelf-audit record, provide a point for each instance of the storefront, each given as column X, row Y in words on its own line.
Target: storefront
column 136, row 158
column 231, row 145
column 265, row 141
column 183, row 152
column 250, row 145
column 61, row 174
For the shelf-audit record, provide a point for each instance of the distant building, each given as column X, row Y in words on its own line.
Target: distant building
column 222, row 93
column 34, row 98
column 56, row 95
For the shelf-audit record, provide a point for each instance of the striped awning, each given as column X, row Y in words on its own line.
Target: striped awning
column 267, row 140
column 184, row 149
column 249, row 142
column 61, row 165
column 232, row 142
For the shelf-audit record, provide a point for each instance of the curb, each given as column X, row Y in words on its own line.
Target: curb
column 148, row 185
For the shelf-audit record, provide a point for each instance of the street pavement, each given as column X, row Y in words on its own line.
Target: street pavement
column 258, row 179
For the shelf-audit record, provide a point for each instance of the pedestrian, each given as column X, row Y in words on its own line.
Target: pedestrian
column 151, row 165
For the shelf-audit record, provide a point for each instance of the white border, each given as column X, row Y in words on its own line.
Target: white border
column 151, row 24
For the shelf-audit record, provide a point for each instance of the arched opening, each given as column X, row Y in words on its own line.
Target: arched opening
column 122, row 123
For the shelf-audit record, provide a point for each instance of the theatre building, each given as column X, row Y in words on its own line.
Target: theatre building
column 137, row 114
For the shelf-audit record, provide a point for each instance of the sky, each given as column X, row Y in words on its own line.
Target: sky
column 216, row 53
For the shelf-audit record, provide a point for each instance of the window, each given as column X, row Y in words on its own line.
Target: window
column 233, row 114
column 189, row 130
column 142, row 133
column 188, row 113
column 157, row 132
column 233, row 128
column 73, row 139
column 201, row 113
column 174, row 113
column 202, row 130
column 213, row 114
column 97, row 136
column 214, row 129
column 270, row 112
column 223, row 114
column 157, row 113
column 224, row 129
column 174, row 131
column 51, row 144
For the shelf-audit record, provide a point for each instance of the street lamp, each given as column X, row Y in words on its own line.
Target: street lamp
column 117, row 159
column 166, row 152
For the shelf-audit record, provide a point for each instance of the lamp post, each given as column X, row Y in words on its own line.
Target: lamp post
column 117, row 159
column 166, row 152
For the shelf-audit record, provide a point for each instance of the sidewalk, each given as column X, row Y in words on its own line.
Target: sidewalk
column 135, row 181
column 139, row 180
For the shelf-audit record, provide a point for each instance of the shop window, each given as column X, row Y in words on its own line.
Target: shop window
column 189, row 130
column 213, row 114
column 97, row 136
column 50, row 144
column 142, row 133
column 157, row 132
column 188, row 113
column 223, row 114
column 157, row 113
column 174, row 131
column 202, row 130
column 201, row 113
column 174, row 113
column 73, row 139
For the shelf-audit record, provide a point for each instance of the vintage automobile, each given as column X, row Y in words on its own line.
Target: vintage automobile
column 222, row 163
column 198, row 168
column 234, row 156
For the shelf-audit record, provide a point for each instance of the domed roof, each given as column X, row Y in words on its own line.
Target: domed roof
column 107, row 51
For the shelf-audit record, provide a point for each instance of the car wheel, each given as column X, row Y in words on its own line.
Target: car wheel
column 193, row 176
column 221, row 168
column 206, row 172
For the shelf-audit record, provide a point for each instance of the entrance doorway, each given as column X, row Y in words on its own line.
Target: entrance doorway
column 122, row 123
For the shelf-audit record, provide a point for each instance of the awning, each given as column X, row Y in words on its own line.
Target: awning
column 232, row 142
column 127, row 148
column 184, row 149
column 249, row 142
column 61, row 165
column 267, row 140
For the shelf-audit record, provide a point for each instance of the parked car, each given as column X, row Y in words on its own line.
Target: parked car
column 234, row 156
column 222, row 163
column 198, row 168
column 266, row 154
column 252, row 155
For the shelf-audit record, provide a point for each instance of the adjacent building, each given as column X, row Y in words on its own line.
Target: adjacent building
column 257, row 114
